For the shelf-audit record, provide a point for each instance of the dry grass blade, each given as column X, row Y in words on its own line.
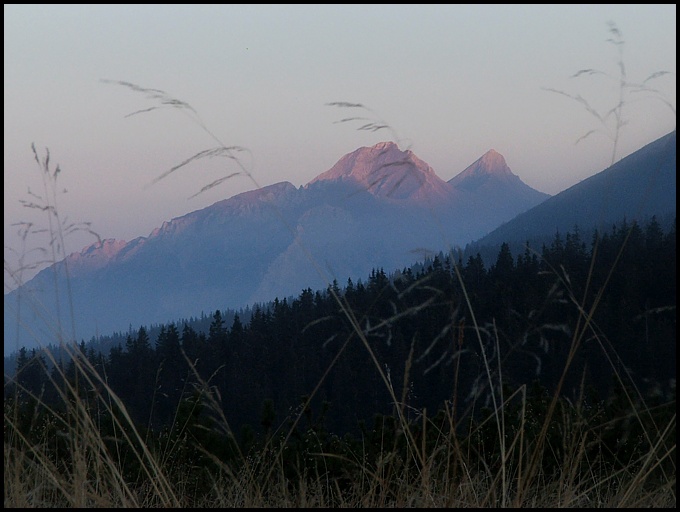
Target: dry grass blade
column 222, row 150
column 613, row 130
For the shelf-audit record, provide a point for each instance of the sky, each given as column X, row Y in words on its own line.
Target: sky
column 450, row 82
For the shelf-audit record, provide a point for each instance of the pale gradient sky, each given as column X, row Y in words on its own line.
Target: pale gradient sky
column 452, row 81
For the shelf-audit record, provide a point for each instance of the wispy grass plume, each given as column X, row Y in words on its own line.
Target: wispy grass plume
column 612, row 120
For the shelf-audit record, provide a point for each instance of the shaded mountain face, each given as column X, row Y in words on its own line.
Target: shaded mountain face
column 376, row 207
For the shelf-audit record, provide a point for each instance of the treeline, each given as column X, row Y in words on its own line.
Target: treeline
column 444, row 334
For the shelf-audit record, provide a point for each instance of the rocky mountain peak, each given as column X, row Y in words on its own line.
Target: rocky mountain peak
column 494, row 163
column 386, row 171
column 491, row 166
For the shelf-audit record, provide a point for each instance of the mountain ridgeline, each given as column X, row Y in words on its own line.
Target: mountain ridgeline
column 378, row 206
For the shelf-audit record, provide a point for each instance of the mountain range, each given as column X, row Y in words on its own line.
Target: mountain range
column 376, row 207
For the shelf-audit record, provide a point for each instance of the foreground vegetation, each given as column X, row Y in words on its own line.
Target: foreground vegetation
column 403, row 394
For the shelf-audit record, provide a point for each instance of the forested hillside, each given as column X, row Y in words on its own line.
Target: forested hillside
column 521, row 318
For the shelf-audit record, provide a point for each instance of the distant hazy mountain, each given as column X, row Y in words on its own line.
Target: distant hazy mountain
column 636, row 187
column 502, row 193
column 377, row 207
